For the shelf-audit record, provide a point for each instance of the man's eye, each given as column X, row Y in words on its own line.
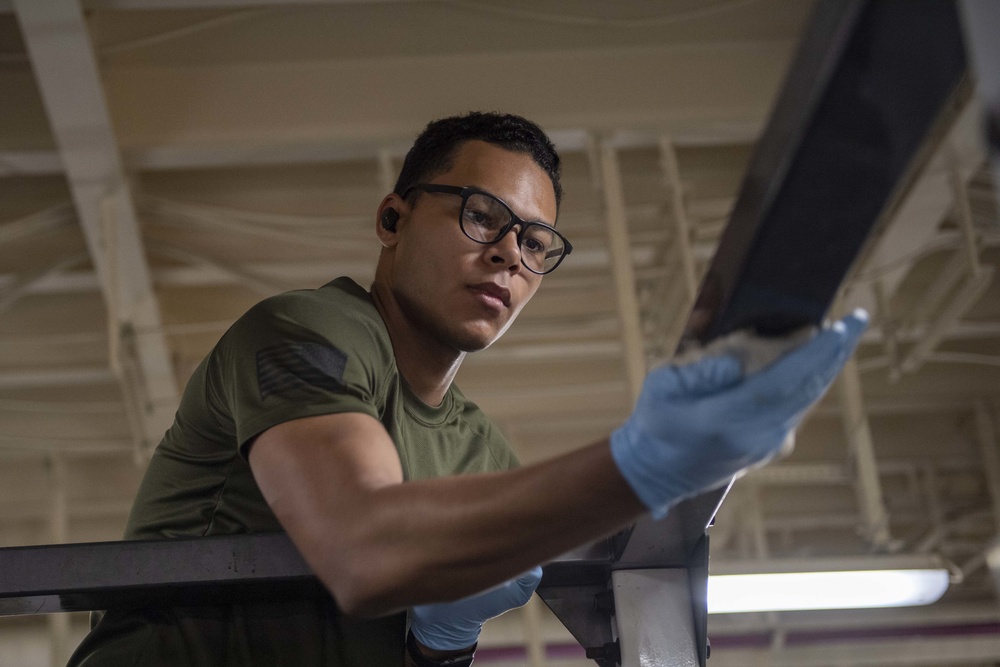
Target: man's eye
column 534, row 246
column 537, row 240
column 477, row 217
column 481, row 218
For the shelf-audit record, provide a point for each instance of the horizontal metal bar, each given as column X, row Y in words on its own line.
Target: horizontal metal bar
column 218, row 569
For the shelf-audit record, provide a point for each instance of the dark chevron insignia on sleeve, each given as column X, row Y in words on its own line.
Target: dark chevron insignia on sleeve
column 292, row 366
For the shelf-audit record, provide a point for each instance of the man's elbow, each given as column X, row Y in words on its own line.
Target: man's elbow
column 362, row 589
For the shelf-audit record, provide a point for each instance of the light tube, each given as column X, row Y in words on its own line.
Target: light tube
column 795, row 591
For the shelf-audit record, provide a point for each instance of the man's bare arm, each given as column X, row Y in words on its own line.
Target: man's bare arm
column 335, row 484
column 335, row 481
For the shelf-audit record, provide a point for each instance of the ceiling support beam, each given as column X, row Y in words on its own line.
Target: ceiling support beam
column 50, row 219
column 13, row 292
column 964, row 298
column 29, row 163
column 932, row 300
column 54, row 377
column 57, row 40
column 259, row 283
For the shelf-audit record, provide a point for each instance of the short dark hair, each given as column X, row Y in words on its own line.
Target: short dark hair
column 434, row 149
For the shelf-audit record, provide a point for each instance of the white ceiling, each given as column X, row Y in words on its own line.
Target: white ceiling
column 165, row 164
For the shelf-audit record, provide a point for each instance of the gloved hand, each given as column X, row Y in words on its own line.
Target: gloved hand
column 450, row 626
column 697, row 425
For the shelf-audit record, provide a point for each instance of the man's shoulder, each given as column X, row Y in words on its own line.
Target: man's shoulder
column 339, row 306
column 340, row 315
column 342, row 295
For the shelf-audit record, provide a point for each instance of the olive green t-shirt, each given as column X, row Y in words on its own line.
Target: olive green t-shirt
column 295, row 355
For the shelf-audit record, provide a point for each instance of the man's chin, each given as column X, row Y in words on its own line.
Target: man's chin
column 467, row 345
column 475, row 341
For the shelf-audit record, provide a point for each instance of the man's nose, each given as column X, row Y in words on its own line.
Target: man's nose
column 507, row 250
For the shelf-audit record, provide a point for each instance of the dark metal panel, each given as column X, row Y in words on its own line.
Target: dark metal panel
column 846, row 129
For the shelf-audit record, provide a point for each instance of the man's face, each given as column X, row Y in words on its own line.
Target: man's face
column 464, row 293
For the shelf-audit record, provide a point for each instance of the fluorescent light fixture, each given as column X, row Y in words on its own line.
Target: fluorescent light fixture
column 838, row 587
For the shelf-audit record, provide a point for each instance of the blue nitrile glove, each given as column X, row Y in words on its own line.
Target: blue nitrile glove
column 697, row 425
column 450, row 626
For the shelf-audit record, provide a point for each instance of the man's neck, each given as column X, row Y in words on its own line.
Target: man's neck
column 428, row 366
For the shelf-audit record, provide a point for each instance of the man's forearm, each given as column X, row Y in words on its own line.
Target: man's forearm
column 445, row 538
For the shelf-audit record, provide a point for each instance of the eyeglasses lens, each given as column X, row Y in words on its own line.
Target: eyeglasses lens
column 541, row 249
column 484, row 219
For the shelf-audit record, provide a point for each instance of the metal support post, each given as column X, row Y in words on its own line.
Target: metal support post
column 755, row 521
column 531, row 619
column 386, row 171
column 963, row 211
column 889, row 328
column 620, row 247
column 986, row 432
column 987, row 436
column 59, row 528
column 859, row 439
column 682, row 226
column 982, row 26
column 762, row 552
column 677, row 289
column 934, row 512
column 653, row 617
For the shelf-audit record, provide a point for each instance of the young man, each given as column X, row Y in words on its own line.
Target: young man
column 317, row 405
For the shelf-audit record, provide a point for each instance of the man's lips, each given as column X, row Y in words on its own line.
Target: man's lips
column 494, row 290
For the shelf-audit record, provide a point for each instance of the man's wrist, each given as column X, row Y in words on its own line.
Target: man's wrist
column 425, row 656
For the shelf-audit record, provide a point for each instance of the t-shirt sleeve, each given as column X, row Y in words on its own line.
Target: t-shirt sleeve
column 285, row 359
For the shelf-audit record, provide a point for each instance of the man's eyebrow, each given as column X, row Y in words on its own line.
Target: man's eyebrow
column 504, row 202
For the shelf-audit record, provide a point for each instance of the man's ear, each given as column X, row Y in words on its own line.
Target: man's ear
column 387, row 219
